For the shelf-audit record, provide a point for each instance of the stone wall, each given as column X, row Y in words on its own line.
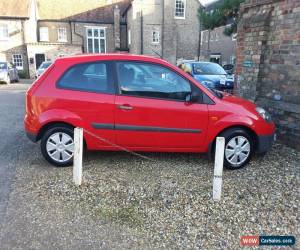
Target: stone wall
column 268, row 62
column 15, row 42
column 79, row 35
column 51, row 52
column 179, row 38
column 218, row 44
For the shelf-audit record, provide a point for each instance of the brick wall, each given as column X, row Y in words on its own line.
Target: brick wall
column 268, row 62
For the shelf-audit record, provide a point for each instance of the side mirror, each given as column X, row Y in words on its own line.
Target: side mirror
column 192, row 97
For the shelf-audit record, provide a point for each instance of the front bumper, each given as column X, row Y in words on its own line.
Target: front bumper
column 265, row 142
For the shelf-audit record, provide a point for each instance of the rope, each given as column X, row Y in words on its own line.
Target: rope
column 118, row 146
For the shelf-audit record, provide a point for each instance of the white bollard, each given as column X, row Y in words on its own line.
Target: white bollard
column 218, row 170
column 77, row 161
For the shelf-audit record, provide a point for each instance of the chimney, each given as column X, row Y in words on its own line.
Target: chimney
column 117, row 28
column 31, row 23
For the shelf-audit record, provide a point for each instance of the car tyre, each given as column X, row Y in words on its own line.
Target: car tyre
column 57, row 145
column 8, row 81
column 239, row 147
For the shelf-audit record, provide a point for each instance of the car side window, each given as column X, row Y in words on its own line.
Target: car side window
column 90, row 77
column 151, row 80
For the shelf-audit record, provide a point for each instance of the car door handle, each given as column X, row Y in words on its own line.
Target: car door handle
column 125, row 107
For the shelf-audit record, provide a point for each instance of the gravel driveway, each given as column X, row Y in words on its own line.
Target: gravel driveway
column 129, row 203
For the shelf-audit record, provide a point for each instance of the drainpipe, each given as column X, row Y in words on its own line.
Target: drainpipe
column 81, row 36
column 71, row 38
column 163, row 29
column 199, row 43
column 142, row 35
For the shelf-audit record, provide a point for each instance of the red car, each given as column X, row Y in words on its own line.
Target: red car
column 142, row 104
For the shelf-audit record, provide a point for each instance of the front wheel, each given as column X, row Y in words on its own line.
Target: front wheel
column 239, row 148
column 57, row 146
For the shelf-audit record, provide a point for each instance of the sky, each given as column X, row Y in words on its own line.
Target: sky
column 206, row 2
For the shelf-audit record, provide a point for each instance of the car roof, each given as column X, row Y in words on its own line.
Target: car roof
column 109, row 56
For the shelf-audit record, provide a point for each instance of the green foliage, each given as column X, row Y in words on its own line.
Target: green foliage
column 23, row 74
column 227, row 10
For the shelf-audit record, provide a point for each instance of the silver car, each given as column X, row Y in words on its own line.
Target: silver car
column 8, row 73
column 42, row 68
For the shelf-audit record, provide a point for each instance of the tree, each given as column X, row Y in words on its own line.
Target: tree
column 224, row 12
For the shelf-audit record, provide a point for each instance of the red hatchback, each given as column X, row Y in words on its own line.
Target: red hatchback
column 142, row 104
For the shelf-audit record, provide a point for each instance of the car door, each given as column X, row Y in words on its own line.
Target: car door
column 151, row 111
column 87, row 90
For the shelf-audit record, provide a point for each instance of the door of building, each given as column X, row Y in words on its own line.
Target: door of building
column 39, row 59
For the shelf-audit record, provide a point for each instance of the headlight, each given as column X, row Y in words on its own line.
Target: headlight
column 209, row 84
column 264, row 114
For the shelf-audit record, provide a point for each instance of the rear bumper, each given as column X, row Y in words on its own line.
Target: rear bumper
column 265, row 142
column 32, row 137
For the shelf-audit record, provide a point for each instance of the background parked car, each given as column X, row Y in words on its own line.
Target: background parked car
column 229, row 68
column 42, row 68
column 209, row 74
column 8, row 73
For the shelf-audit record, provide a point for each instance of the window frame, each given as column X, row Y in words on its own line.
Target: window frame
column 129, row 37
column 5, row 28
column 110, row 78
column 158, row 37
column 65, row 33
column 192, row 85
column 99, row 28
column 40, row 36
column 22, row 62
column 184, row 10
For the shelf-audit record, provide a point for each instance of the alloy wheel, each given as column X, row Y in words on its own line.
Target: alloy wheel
column 60, row 147
column 237, row 150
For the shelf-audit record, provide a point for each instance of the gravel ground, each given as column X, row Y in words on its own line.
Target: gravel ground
column 129, row 203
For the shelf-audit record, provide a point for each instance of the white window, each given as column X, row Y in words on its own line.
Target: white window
column 155, row 36
column 17, row 60
column 129, row 37
column 180, row 9
column 3, row 31
column 234, row 36
column 44, row 34
column 62, row 35
column 217, row 37
column 202, row 37
column 96, row 40
column 206, row 36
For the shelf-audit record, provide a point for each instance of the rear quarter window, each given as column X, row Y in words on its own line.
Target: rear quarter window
column 90, row 77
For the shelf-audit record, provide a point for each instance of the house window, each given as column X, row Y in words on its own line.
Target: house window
column 3, row 32
column 62, row 35
column 180, row 9
column 155, row 37
column 206, row 36
column 44, row 34
column 18, row 61
column 217, row 37
column 96, row 40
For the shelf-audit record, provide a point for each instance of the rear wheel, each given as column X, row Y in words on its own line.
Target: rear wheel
column 239, row 147
column 57, row 146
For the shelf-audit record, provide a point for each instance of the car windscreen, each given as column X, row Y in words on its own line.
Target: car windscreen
column 208, row 69
column 3, row 65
